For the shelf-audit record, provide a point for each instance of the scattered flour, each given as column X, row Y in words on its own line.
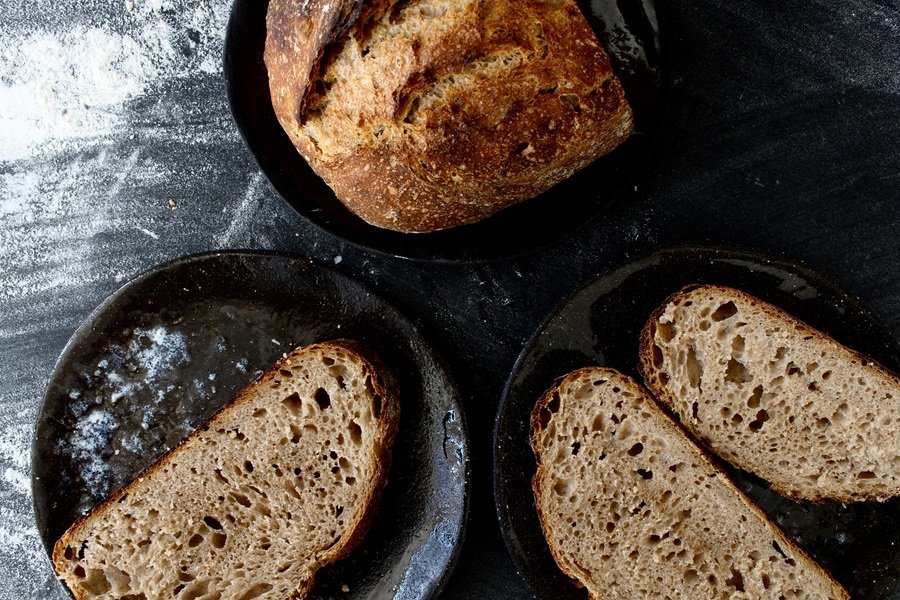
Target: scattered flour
column 149, row 359
column 111, row 113
column 60, row 85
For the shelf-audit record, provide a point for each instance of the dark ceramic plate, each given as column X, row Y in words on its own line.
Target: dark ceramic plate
column 629, row 31
column 168, row 349
column 599, row 325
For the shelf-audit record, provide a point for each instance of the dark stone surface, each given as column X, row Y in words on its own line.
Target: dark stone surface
column 781, row 136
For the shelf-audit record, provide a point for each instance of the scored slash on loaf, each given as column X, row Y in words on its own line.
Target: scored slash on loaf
column 632, row 508
column 429, row 114
column 774, row 396
column 281, row 482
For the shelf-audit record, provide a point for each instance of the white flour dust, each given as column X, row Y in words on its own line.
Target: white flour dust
column 108, row 108
column 59, row 85
column 149, row 360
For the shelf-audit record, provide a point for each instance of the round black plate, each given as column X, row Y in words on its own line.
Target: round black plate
column 168, row 349
column 599, row 325
column 630, row 33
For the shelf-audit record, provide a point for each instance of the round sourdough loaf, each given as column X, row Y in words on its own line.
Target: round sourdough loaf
column 429, row 114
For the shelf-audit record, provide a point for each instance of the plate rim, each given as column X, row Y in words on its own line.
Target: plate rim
column 439, row 361
column 503, row 516
column 656, row 120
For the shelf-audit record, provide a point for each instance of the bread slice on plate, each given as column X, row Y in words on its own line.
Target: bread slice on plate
column 429, row 114
column 632, row 508
column 774, row 396
column 281, row 482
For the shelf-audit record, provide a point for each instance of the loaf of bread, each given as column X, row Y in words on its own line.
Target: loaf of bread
column 774, row 396
column 281, row 482
column 632, row 508
column 429, row 114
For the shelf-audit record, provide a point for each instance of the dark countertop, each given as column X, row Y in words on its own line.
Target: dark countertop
column 781, row 136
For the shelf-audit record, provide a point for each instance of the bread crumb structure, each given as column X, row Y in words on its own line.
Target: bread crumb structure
column 282, row 481
column 430, row 114
column 774, row 396
column 632, row 508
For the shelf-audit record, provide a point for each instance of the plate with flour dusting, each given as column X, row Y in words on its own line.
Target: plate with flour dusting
column 600, row 325
column 168, row 349
column 630, row 32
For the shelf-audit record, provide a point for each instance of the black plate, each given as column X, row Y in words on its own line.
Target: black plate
column 599, row 325
column 629, row 32
column 168, row 349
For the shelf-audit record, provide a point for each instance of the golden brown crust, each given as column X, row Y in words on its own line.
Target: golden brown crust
column 651, row 378
column 510, row 134
column 539, row 420
column 384, row 384
column 299, row 31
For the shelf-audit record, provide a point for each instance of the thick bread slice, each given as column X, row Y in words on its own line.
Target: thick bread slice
column 281, row 482
column 429, row 114
column 774, row 396
column 632, row 508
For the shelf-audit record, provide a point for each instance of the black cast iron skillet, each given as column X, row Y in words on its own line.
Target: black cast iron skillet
column 629, row 31
column 168, row 349
column 599, row 325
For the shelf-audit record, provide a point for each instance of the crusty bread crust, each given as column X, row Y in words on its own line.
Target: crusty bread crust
column 786, row 485
column 509, row 99
column 384, row 386
column 542, row 415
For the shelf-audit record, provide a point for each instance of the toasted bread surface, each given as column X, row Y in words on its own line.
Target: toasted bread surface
column 282, row 481
column 632, row 508
column 429, row 114
column 774, row 396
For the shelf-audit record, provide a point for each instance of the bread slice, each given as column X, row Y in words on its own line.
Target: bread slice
column 430, row 114
column 632, row 508
column 774, row 396
column 281, row 482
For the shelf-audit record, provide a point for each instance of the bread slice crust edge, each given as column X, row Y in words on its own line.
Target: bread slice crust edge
column 542, row 413
column 384, row 384
column 650, row 375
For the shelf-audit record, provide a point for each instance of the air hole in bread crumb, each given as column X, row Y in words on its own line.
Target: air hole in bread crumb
column 260, row 413
column 293, row 403
column 737, row 373
column 350, row 480
column 826, row 375
column 866, row 475
column 725, row 311
column 792, row 369
column 665, row 331
column 257, row 590
column 597, row 423
column 636, row 449
column 240, row 499
column 575, row 448
column 178, row 589
column 248, row 466
column 755, row 397
column 563, row 487
column 761, row 417
column 736, row 580
column 695, row 407
column 218, row 539
column 693, row 366
column 322, row 398
column 195, row 540
column 645, row 473
column 657, row 356
column 212, row 523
